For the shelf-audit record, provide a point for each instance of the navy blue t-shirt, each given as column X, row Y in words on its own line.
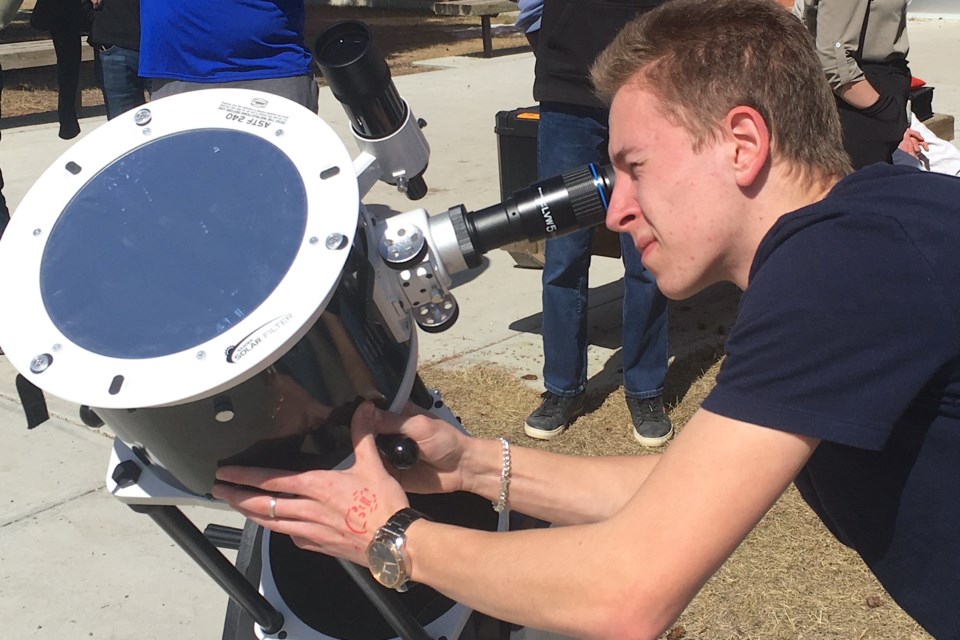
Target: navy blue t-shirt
column 848, row 332
column 222, row 40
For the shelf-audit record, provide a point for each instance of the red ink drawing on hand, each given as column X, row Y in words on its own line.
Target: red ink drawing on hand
column 364, row 504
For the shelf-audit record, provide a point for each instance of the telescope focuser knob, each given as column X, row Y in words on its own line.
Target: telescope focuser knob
column 400, row 451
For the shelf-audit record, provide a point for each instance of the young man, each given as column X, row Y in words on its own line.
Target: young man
column 842, row 373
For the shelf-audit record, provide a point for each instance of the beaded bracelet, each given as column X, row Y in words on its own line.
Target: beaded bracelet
column 501, row 502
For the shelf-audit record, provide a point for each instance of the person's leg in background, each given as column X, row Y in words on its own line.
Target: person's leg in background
column 568, row 137
column 122, row 88
column 4, row 212
column 67, row 44
column 644, row 351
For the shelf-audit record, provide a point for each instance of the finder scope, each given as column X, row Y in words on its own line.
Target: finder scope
column 360, row 79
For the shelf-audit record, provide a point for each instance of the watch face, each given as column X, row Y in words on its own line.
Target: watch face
column 384, row 564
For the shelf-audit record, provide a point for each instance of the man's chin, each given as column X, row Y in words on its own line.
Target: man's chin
column 677, row 291
column 675, row 295
column 671, row 290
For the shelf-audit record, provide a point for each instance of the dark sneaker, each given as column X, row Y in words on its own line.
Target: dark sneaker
column 553, row 415
column 651, row 426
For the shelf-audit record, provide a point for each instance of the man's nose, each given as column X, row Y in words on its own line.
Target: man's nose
column 619, row 211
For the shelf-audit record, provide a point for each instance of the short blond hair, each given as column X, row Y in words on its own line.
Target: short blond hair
column 702, row 58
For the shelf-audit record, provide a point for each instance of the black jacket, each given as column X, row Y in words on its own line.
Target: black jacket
column 572, row 34
column 117, row 22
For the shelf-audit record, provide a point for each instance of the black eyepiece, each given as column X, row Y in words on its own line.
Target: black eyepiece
column 575, row 200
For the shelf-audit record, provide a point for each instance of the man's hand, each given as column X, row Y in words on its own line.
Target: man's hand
column 913, row 143
column 333, row 512
column 859, row 94
column 442, row 448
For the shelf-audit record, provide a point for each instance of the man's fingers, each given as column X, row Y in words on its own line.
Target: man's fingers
column 364, row 420
column 363, row 429
column 268, row 507
column 388, row 422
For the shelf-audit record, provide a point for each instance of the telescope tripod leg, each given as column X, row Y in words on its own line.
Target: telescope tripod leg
column 387, row 603
column 176, row 525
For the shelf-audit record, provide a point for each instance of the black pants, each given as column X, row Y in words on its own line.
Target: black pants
column 66, row 20
column 67, row 44
column 4, row 212
column 871, row 135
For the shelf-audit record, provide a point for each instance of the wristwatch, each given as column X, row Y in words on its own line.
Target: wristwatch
column 386, row 554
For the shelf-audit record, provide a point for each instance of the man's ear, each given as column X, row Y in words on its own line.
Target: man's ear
column 751, row 143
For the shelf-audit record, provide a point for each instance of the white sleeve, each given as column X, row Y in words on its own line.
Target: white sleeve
column 942, row 156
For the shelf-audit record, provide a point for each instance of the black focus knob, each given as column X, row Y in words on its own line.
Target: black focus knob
column 400, row 451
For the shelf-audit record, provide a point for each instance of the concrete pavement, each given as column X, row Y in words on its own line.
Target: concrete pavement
column 76, row 563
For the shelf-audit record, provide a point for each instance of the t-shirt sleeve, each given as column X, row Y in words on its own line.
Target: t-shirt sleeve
column 837, row 29
column 840, row 329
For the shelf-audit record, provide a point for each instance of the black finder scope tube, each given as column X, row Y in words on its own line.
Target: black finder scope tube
column 360, row 79
column 575, row 200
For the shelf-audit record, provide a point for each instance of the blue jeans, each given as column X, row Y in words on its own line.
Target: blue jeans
column 570, row 136
column 122, row 88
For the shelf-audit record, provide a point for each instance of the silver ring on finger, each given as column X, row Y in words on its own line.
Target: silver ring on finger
column 272, row 510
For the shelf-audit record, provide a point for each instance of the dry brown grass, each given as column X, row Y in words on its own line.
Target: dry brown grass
column 790, row 579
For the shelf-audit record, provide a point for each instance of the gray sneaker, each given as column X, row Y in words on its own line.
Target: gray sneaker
column 554, row 415
column 651, row 426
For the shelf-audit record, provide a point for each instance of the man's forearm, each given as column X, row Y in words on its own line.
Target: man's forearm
column 565, row 580
column 860, row 94
column 559, row 489
column 631, row 573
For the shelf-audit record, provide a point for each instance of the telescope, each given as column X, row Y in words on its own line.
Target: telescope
column 201, row 275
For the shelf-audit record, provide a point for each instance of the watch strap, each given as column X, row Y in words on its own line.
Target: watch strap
column 398, row 522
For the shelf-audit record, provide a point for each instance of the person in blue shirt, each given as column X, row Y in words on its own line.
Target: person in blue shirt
column 257, row 44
